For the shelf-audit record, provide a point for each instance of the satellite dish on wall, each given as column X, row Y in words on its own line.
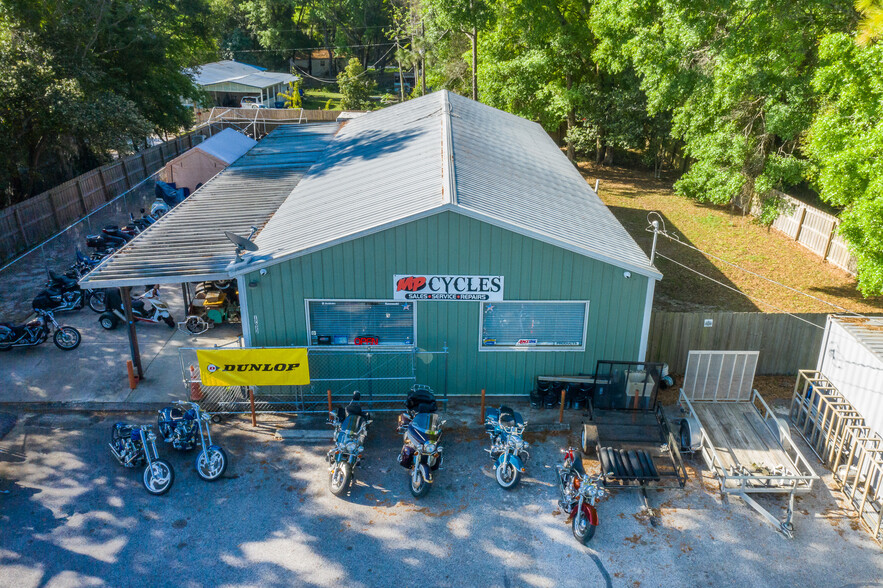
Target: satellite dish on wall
column 242, row 243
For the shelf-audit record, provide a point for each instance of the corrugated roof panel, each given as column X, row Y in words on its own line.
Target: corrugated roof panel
column 188, row 243
column 218, row 71
column 521, row 177
column 379, row 168
column 866, row 330
column 404, row 161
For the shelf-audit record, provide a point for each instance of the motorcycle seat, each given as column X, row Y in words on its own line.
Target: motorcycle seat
column 63, row 281
column 138, row 305
column 578, row 466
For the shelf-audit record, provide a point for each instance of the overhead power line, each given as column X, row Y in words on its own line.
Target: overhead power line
column 333, row 48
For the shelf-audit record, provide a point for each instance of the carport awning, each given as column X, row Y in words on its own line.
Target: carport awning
column 188, row 243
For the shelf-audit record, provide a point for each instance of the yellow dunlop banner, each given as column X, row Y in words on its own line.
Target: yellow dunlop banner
column 254, row 367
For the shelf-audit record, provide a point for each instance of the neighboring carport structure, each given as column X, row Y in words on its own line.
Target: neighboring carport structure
column 188, row 244
column 229, row 81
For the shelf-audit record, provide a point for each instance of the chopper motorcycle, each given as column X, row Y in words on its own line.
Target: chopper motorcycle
column 579, row 493
column 182, row 426
column 350, row 429
column 421, row 428
column 37, row 331
column 135, row 445
column 508, row 448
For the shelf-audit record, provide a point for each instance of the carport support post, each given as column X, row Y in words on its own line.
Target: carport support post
column 126, row 291
column 186, row 292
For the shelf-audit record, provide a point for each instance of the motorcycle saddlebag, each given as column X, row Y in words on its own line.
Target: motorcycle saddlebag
column 406, row 457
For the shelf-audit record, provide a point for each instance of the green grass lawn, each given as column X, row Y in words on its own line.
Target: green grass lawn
column 315, row 99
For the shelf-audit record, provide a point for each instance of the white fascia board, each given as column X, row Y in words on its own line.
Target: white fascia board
column 645, row 325
column 98, row 283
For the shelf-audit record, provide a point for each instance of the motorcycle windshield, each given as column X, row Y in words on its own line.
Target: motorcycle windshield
column 427, row 424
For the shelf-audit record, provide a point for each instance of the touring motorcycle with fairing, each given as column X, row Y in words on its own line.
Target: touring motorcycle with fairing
column 350, row 430
column 421, row 428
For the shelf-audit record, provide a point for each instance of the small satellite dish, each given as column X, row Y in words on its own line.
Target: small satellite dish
column 242, row 243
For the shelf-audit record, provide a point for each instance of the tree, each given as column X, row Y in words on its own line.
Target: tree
column 845, row 142
column 734, row 77
column 84, row 78
column 356, row 87
column 870, row 28
column 467, row 17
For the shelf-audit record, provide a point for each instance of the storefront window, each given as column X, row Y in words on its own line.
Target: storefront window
column 547, row 326
column 360, row 322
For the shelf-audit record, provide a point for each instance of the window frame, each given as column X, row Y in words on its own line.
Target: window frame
column 350, row 345
column 527, row 348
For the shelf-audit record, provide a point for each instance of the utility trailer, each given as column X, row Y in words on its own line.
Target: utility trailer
column 628, row 431
column 748, row 448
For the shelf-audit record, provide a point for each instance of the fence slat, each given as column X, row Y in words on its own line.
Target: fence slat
column 785, row 343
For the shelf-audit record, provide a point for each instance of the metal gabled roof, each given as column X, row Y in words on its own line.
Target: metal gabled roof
column 868, row 331
column 188, row 243
column 444, row 152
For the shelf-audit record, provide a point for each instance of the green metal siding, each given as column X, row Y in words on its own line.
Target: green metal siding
column 449, row 243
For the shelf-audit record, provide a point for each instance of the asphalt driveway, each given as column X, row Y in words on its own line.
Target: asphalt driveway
column 74, row 517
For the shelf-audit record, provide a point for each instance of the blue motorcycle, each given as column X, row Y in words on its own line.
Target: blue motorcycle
column 508, row 448
column 350, row 429
column 183, row 428
column 135, row 445
column 422, row 449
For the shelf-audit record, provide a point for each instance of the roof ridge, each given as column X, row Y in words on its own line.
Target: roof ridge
column 449, row 176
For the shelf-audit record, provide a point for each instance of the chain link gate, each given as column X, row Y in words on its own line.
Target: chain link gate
column 383, row 376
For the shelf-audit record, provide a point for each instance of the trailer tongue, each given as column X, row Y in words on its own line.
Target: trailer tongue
column 747, row 447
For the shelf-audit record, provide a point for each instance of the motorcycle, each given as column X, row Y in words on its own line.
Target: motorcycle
column 95, row 299
column 183, row 428
column 116, row 313
column 579, row 493
column 508, row 448
column 421, row 428
column 36, row 332
column 135, row 445
column 62, row 294
column 350, row 429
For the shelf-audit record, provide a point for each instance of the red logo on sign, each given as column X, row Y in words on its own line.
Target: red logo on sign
column 410, row 284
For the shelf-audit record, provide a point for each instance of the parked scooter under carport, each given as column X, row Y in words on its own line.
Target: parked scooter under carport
column 116, row 314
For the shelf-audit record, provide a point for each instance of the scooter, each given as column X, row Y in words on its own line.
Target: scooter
column 183, row 428
column 134, row 445
column 37, row 332
column 116, row 313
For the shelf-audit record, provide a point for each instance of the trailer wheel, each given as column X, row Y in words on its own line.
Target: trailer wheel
column 684, row 436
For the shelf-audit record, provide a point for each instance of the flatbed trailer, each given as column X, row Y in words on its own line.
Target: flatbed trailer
column 628, row 431
column 748, row 448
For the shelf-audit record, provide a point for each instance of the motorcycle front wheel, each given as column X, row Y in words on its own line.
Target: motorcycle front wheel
column 67, row 338
column 583, row 530
column 158, row 477
column 419, row 486
column 211, row 463
column 98, row 301
column 507, row 476
column 340, row 478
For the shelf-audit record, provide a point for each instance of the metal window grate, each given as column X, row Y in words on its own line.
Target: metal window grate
column 533, row 324
column 720, row 376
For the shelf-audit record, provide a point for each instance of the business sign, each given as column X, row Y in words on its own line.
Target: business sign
column 254, row 367
column 458, row 288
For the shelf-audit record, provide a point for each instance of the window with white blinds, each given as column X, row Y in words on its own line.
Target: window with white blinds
column 545, row 326
column 351, row 322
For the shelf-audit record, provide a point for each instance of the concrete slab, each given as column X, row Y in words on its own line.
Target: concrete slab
column 95, row 372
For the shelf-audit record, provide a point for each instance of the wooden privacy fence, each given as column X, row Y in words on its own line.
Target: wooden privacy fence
column 815, row 230
column 786, row 344
column 31, row 222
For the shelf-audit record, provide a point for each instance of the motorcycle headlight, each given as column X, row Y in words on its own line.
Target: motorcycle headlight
column 429, row 447
column 352, row 447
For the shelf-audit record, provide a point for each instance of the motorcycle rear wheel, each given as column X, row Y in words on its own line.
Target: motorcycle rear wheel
column 211, row 463
column 340, row 478
column 583, row 530
column 507, row 476
column 418, row 486
column 169, row 321
column 98, row 301
column 67, row 338
column 158, row 477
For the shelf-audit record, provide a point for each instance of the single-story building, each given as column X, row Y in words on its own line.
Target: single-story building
column 437, row 223
column 199, row 164
column 228, row 82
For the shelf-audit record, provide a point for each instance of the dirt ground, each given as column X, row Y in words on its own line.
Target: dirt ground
column 632, row 194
